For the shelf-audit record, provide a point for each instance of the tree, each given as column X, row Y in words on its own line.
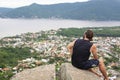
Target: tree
column 116, row 52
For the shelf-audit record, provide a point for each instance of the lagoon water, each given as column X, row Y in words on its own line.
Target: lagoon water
column 11, row 27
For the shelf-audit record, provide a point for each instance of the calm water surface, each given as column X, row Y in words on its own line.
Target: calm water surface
column 10, row 27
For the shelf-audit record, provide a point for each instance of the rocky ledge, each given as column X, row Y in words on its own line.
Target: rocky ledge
column 68, row 72
column 46, row 72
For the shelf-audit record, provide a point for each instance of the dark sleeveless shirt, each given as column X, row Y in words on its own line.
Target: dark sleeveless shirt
column 81, row 52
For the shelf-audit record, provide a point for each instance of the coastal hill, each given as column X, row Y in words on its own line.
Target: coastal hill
column 30, row 55
column 91, row 10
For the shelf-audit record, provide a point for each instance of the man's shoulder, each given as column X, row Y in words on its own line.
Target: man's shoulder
column 79, row 39
column 93, row 46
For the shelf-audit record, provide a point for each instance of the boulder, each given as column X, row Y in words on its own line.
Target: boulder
column 68, row 72
column 118, row 78
column 46, row 72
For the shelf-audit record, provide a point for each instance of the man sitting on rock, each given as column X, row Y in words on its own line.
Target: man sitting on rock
column 81, row 50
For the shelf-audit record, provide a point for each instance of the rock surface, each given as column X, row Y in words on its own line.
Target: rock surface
column 46, row 72
column 118, row 78
column 68, row 72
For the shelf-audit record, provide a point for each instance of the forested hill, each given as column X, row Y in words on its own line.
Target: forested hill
column 98, row 31
column 91, row 10
column 4, row 11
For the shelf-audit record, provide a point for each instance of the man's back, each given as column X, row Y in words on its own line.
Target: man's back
column 81, row 51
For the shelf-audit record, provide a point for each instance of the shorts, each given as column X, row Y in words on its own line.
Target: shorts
column 89, row 64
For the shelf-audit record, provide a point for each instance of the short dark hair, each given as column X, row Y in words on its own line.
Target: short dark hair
column 89, row 34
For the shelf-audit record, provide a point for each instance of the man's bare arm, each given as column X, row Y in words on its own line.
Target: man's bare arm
column 70, row 47
column 94, row 51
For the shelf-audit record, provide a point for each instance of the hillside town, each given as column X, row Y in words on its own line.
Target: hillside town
column 49, row 44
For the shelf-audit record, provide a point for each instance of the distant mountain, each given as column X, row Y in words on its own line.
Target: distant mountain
column 4, row 11
column 91, row 10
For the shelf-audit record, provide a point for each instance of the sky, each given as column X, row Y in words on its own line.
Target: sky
column 19, row 3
